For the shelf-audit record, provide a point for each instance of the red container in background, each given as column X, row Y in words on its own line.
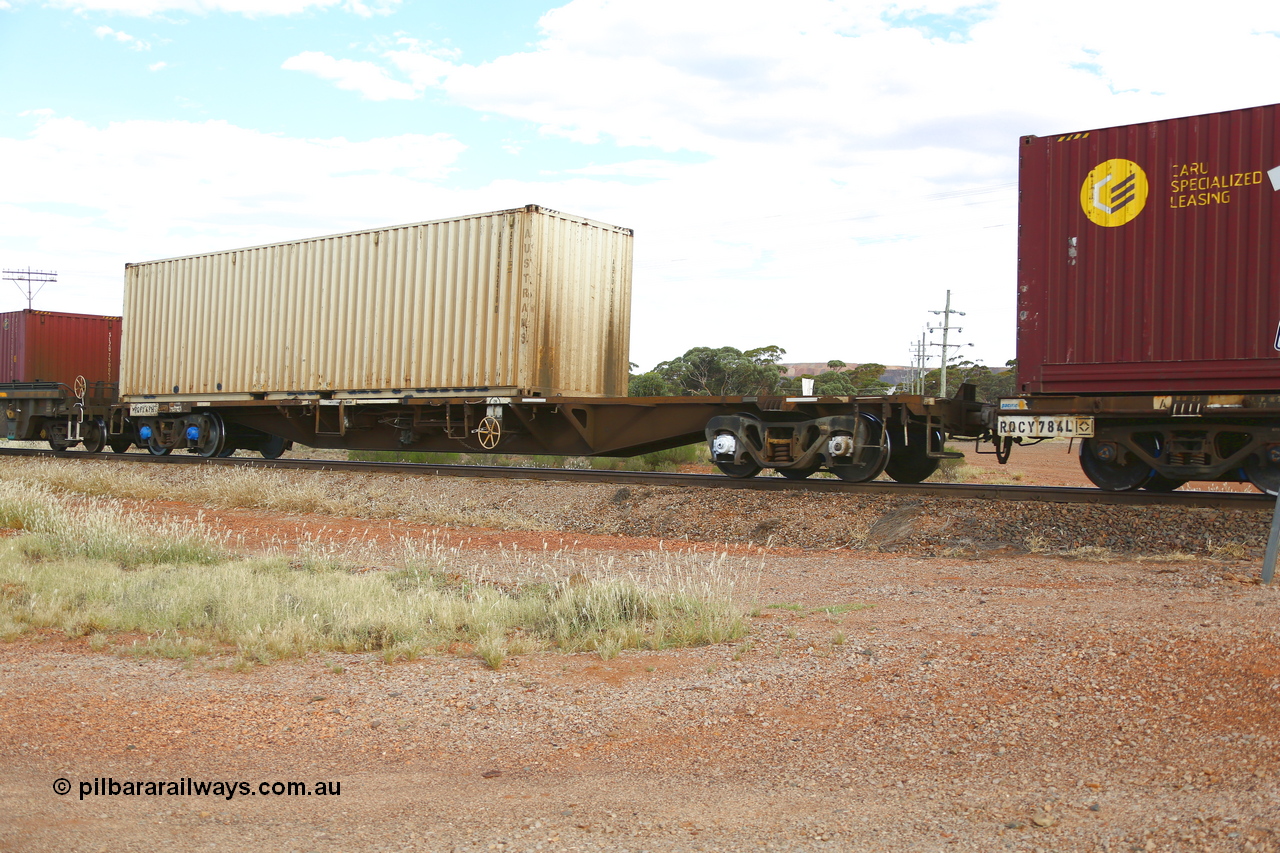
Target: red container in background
column 43, row 346
column 1149, row 257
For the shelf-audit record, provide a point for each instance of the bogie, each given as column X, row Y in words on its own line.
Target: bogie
column 1162, row 457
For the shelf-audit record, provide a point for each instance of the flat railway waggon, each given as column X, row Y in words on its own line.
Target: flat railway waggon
column 1149, row 299
column 1148, row 328
column 855, row 438
column 500, row 332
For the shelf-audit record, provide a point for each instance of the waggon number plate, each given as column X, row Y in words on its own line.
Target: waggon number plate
column 1045, row 426
column 136, row 409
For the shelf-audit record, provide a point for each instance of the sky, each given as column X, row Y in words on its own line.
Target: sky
column 811, row 175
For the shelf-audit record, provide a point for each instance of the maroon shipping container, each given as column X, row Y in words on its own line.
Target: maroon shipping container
column 43, row 346
column 1149, row 257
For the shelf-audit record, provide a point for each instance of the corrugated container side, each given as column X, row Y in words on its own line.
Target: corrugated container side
column 526, row 299
column 45, row 346
column 1175, row 288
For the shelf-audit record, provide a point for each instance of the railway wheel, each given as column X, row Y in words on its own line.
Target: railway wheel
column 119, row 445
column 212, row 435
column 910, row 462
column 740, row 472
column 871, row 466
column 58, row 446
column 1265, row 478
column 798, row 473
column 724, row 449
column 275, row 447
column 94, row 436
column 1101, row 463
column 873, row 442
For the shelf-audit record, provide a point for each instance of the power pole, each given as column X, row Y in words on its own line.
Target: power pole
column 946, row 328
column 918, row 365
column 30, row 277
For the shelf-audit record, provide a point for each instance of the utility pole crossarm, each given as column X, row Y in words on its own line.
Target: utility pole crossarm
column 31, row 278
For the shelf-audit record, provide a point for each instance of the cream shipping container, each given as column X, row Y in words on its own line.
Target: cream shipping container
column 527, row 301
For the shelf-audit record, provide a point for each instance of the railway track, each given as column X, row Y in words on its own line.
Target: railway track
column 953, row 491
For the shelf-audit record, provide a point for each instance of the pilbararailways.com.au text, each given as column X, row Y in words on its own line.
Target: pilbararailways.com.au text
column 188, row 787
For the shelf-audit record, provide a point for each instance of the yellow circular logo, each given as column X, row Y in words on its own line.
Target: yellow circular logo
column 1114, row 192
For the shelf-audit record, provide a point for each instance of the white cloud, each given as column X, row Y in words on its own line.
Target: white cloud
column 248, row 8
column 424, row 66
column 847, row 160
column 157, row 66
column 149, row 189
column 839, row 77
column 384, row 7
column 133, row 42
column 366, row 78
column 424, row 63
column 837, row 140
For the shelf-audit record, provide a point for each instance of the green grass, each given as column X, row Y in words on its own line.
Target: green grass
column 95, row 571
column 951, row 469
column 660, row 460
column 266, row 610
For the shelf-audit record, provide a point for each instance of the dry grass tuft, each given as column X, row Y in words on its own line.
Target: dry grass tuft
column 959, row 472
column 1171, row 557
column 1087, row 553
column 1227, row 552
column 361, row 495
column 91, row 570
column 97, row 531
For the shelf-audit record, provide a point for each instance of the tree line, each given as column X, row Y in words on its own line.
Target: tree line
column 730, row 372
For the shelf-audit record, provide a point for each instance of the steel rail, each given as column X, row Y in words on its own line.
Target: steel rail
column 951, row 491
